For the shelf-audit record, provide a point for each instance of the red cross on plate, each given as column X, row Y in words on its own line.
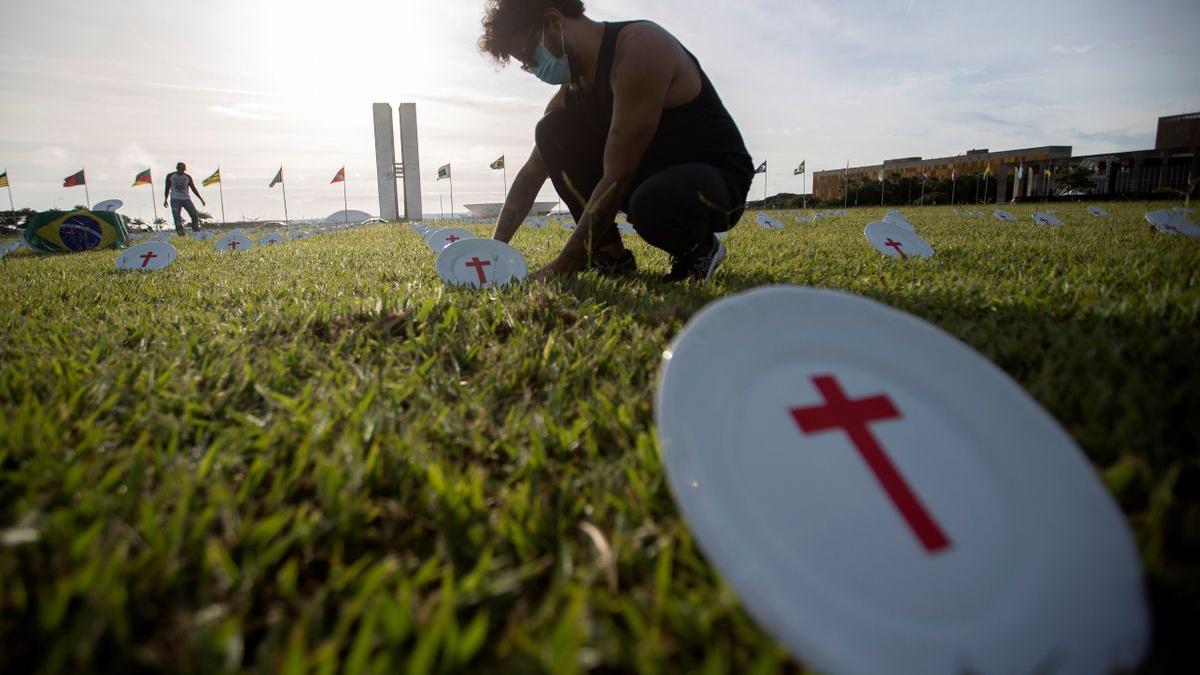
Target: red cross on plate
column 852, row 417
column 479, row 265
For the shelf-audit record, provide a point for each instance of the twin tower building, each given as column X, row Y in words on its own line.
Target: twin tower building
column 389, row 170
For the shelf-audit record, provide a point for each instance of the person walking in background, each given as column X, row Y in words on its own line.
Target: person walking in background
column 178, row 183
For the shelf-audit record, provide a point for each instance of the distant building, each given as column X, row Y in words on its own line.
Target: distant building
column 1141, row 172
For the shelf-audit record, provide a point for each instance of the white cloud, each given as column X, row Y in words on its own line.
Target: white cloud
column 245, row 111
column 1074, row 49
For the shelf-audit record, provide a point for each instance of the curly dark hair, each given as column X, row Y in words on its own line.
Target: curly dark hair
column 502, row 18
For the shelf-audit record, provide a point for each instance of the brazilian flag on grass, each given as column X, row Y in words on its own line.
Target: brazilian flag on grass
column 73, row 231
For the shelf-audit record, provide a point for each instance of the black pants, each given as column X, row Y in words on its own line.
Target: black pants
column 676, row 209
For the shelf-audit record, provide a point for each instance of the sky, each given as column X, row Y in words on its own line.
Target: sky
column 252, row 85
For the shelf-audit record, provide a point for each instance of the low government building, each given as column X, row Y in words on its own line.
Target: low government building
column 1136, row 173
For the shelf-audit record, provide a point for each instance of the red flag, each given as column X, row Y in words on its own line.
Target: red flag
column 142, row 178
column 340, row 177
column 277, row 179
column 76, row 179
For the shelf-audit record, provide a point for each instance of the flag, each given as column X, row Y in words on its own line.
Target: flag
column 59, row 232
column 925, row 173
column 339, row 177
column 214, row 178
column 762, row 168
column 443, row 172
column 277, row 179
column 75, row 179
column 987, row 170
column 1049, row 172
column 881, row 175
column 954, row 172
column 799, row 170
column 142, row 178
column 498, row 164
column 4, row 179
column 1020, row 170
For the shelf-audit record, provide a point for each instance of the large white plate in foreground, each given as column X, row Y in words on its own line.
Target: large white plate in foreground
column 896, row 241
column 480, row 262
column 147, row 256
column 885, row 500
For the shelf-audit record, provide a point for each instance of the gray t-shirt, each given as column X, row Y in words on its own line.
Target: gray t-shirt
column 179, row 182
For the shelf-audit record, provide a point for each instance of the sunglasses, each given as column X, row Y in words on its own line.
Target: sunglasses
column 528, row 54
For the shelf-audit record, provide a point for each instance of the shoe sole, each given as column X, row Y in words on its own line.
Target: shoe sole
column 716, row 261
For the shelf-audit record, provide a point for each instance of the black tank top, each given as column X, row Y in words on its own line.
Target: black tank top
column 698, row 131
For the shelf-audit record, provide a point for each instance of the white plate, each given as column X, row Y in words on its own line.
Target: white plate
column 109, row 205
column 233, row 242
column 442, row 238
column 272, row 238
column 899, row 219
column 767, row 222
column 1004, row 216
column 895, row 241
column 146, row 257
column 480, row 262
column 1172, row 222
column 1097, row 211
column 957, row 529
column 1047, row 219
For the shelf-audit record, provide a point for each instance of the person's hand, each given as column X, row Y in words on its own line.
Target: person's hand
column 165, row 205
column 559, row 267
column 202, row 202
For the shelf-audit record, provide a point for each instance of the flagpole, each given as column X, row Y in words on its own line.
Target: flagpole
column 846, row 185
column 11, row 207
column 221, row 190
column 345, row 200
column 283, row 184
column 153, row 197
column 504, row 171
column 953, row 183
column 86, row 194
column 451, row 192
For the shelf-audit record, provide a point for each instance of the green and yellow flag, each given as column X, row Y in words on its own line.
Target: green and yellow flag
column 498, row 164
column 213, row 179
column 66, row 232
column 4, row 179
column 443, row 172
column 800, row 169
column 987, row 170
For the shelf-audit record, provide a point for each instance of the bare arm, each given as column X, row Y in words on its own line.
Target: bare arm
column 524, row 190
column 192, row 184
column 167, row 189
column 642, row 74
column 525, row 187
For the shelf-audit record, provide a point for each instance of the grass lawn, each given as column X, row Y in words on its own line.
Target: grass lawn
column 316, row 457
